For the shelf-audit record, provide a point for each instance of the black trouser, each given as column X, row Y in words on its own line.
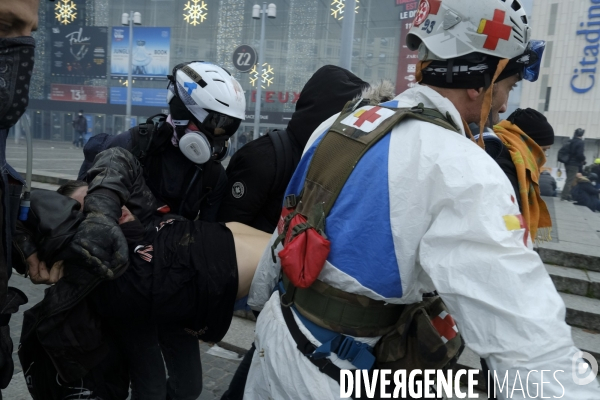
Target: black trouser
column 181, row 352
column 238, row 382
column 139, row 343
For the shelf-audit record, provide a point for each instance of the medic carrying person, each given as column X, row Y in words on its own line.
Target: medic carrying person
column 398, row 210
column 181, row 165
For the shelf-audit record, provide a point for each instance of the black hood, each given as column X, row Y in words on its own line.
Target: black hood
column 324, row 95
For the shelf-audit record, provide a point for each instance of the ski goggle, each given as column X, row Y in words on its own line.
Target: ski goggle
column 221, row 125
column 531, row 60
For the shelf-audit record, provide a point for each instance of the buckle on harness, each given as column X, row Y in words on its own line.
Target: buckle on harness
column 290, row 201
column 288, row 301
column 418, row 109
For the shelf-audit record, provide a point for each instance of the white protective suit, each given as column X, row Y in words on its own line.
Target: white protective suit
column 426, row 209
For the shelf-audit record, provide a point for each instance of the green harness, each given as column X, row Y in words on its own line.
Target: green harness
column 410, row 340
column 335, row 158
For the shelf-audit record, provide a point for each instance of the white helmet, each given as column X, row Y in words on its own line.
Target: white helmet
column 205, row 87
column 454, row 28
column 206, row 105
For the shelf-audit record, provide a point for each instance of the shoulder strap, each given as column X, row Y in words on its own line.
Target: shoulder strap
column 142, row 137
column 346, row 143
column 284, row 157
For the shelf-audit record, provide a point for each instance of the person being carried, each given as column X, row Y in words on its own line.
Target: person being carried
column 180, row 272
column 181, row 155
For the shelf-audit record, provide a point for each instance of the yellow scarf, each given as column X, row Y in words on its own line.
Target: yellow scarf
column 528, row 158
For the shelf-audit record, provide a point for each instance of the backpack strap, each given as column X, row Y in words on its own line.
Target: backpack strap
column 143, row 137
column 346, row 143
column 285, row 159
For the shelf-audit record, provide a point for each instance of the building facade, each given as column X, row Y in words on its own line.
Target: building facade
column 568, row 89
column 82, row 55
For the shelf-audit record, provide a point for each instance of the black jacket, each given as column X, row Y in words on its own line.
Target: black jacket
column 576, row 152
column 255, row 190
column 52, row 221
column 547, row 184
column 187, row 189
column 80, row 124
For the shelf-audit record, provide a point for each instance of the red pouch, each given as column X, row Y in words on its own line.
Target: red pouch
column 304, row 252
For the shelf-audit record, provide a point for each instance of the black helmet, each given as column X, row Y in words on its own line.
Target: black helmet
column 579, row 132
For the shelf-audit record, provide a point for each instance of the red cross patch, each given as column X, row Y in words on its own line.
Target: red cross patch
column 370, row 116
column 494, row 29
column 422, row 12
column 445, row 325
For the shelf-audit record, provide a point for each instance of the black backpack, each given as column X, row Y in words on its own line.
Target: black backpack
column 565, row 152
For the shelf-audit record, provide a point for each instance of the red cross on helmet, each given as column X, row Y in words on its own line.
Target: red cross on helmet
column 454, row 28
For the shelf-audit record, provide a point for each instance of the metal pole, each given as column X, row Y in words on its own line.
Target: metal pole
column 261, row 58
column 128, row 110
column 347, row 35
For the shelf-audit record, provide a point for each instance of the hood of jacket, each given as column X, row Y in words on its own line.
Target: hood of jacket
column 324, row 95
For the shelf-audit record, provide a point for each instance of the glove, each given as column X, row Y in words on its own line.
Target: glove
column 99, row 244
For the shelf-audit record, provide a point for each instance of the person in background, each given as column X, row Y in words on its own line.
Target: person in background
column 258, row 173
column 584, row 193
column 526, row 135
column 575, row 163
column 18, row 19
column 80, row 129
column 547, row 184
column 595, row 168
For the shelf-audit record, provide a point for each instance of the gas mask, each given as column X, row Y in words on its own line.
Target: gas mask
column 16, row 67
column 199, row 149
column 205, row 141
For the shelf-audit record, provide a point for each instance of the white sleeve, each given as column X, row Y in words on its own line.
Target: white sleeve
column 497, row 289
column 265, row 278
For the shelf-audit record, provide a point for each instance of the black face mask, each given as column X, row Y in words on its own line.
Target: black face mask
column 16, row 67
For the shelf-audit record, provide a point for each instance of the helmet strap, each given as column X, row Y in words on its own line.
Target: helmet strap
column 487, row 100
column 421, row 65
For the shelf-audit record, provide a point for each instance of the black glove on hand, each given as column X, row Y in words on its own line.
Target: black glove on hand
column 99, row 244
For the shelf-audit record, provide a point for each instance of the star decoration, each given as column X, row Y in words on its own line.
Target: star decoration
column 338, row 8
column 65, row 11
column 266, row 76
column 196, row 13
